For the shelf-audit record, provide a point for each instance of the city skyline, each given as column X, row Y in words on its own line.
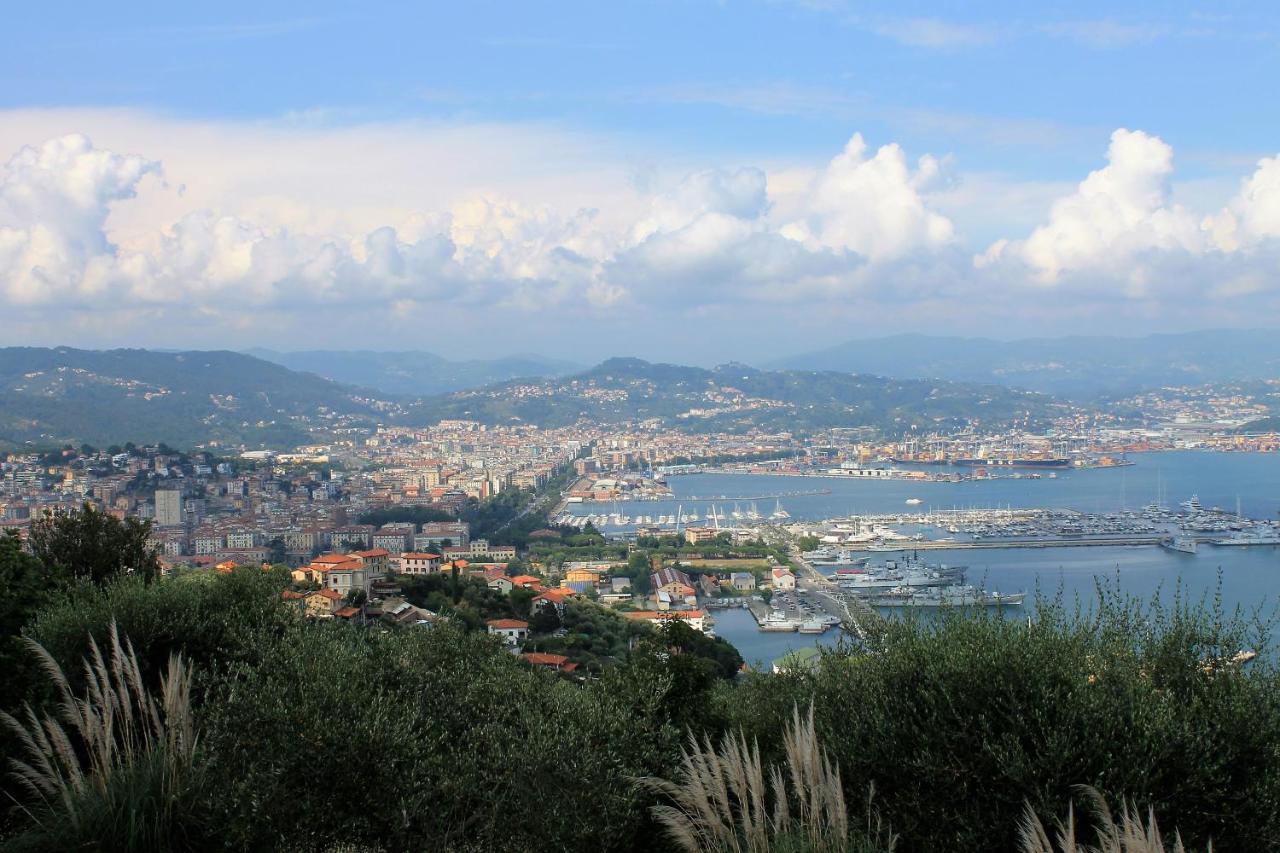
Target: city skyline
column 692, row 182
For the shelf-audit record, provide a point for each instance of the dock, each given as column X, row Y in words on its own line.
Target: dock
column 858, row 618
column 1067, row 542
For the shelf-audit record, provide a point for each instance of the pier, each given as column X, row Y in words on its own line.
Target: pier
column 1069, row 542
column 857, row 616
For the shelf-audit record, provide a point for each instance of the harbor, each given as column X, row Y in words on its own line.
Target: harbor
column 1139, row 531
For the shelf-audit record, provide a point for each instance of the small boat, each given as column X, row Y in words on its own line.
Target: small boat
column 1180, row 544
column 777, row 622
column 914, row 501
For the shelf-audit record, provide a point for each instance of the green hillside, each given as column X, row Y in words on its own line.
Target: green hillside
column 735, row 397
column 184, row 398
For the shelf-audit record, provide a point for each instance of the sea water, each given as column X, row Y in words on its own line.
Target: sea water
column 1248, row 578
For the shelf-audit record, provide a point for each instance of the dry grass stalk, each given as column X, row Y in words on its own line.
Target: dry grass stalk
column 1129, row 834
column 74, row 754
column 725, row 800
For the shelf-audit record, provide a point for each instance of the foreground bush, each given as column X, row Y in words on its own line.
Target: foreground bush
column 725, row 800
column 321, row 735
column 212, row 620
column 1129, row 834
column 429, row 739
column 961, row 721
column 112, row 769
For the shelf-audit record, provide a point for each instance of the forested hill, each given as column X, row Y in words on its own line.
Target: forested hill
column 415, row 373
column 182, row 398
column 734, row 397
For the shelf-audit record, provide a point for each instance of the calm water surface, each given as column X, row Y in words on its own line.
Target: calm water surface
column 1250, row 577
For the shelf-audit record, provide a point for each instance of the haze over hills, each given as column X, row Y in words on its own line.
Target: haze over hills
column 735, row 397
column 182, row 398
column 64, row 395
column 1074, row 366
column 415, row 373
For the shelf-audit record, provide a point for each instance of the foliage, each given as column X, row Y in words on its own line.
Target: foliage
column 1130, row 835
column 412, row 738
column 720, row 653
column 727, row 800
column 592, row 635
column 91, row 545
column 212, row 620
column 417, row 515
column 961, row 720
column 429, row 739
column 113, row 769
column 94, row 396
column 805, row 400
column 24, row 589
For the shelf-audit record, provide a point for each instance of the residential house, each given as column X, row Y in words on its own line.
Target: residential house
column 393, row 541
column 554, row 598
column 782, row 579
column 742, row 581
column 376, row 561
column 502, row 584
column 557, row 663
column 512, row 631
column 419, row 563
column 694, row 535
column 527, row 582
column 322, row 603
column 352, row 536
column 673, row 585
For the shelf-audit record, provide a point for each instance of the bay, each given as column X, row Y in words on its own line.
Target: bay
column 1248, row 578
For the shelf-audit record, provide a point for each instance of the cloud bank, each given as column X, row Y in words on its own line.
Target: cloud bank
column 863, row 229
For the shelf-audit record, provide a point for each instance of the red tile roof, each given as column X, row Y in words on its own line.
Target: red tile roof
column 507, row 623
column 555, row 595
column 543, row 659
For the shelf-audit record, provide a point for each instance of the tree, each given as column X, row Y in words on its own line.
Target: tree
column 545, row 620
column 455, row 591
column 92, row 545
column 279, row 554
column 24, row 588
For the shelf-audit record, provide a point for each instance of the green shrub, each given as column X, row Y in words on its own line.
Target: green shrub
column 961, row 720
column 210, row 619
column 428, row 739
column 114, row 768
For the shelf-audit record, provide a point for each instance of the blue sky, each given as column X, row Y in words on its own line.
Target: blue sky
column 543, row 112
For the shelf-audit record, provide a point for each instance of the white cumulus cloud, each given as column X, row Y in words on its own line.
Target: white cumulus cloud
column 873, row 206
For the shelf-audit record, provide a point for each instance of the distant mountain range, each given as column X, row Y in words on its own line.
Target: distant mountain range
column 738, row 398
column 415, row 373
column 52, row 396
column 64, row 395
column 1072, row 366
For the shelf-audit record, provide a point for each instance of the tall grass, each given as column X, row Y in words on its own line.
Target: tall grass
column 112, row 768
column 727, row 801
column 1129, row 834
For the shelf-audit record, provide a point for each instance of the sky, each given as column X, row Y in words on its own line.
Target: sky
column 692, row 181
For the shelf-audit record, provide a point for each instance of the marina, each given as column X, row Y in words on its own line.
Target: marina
column 1117, row 528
